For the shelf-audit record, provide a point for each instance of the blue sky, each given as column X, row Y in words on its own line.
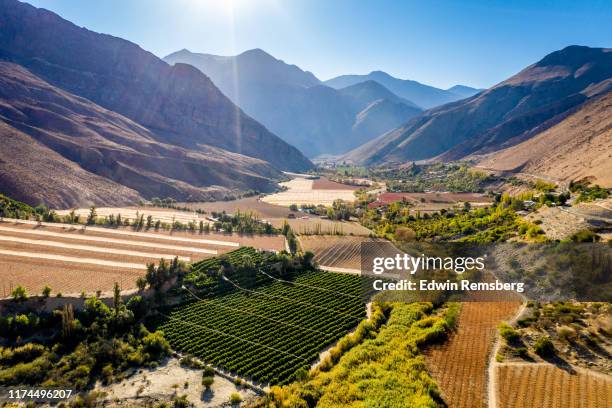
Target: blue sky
column 441, row 43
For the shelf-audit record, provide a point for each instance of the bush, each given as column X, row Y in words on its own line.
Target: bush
column 544, row 347
column 235, row 398
column 508, row 333
column 566, row 333
column 207, row 382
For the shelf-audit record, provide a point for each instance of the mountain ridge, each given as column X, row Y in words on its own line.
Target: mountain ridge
column 295, row 105
column 425, row 96
column 512, row 111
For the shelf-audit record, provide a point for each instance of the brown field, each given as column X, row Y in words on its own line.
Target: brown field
column 301, row 191
column 71, row 259
column 250, row 204
column 460, row 364
column 339, row 252
column 324, row 183
column 166, row 215
column 544, row 385
column 314, row 225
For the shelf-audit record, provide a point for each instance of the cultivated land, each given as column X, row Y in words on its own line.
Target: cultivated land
column 527, row 385
column 460, row 364
column 314, row 225
column 342, row 252
column 267, row 331
column 302, row 191
column 249, row 204
column 435, row 201
column 166, row 215
column 71, row 259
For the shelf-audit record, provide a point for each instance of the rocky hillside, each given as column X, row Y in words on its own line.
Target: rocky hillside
column 513, row 111
column 66, row 151
column 178, row 103
column 577, row 148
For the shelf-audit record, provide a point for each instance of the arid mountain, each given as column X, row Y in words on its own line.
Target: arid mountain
column 178, row 104
column 65, row 151
column 515, row 110
column 579, row 147
column 422, row 95
column 295, row 105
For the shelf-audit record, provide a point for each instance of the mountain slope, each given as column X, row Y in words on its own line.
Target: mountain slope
column 292, row 103
column 536, row 98
column 578, row 147
column 64, row 150
column 178, row 104
column 422, row 95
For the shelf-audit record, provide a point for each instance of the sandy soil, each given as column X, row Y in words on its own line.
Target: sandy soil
column 105, row 240
column 561, row 222
column 63, row 277
column 168, row 380
column 250, row 204
column 301, row 191
column 88, row 248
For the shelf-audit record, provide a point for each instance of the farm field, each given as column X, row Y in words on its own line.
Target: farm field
column 323, row 183
column 339, row 252
column 167, row 215
column 71, row 259
column 268, row 332
column 302, row 191
column 430, row 202
column 313, row 225
column 459, row 365
column 249, row 204
column 527, row 385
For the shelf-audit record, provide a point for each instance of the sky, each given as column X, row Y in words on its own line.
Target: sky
column 439, row 43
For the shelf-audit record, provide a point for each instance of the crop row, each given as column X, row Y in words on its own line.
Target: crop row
column 271, row 330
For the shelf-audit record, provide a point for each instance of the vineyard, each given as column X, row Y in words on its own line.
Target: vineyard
column 263, row 327
column 460, row 364
column 547, row 386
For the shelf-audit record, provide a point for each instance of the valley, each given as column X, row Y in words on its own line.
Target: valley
column 213, row 228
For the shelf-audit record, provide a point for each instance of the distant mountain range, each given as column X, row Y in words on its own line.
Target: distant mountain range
column 295, row 105
column 103, row 121
column 424, row 96
column 536, row 99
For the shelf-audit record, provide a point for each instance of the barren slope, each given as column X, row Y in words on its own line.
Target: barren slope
column 64, row 150
column 579, row 147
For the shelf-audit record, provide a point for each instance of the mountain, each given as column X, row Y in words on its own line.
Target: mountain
column 463, row 91
column 515, row 110
column 295, row 105
column 117, row 123
column 422, row 95
column 178, row 103
column 576, row 148
column 66, row 151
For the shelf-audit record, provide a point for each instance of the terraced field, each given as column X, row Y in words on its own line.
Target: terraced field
column 71, row 259
column 544, row 385
column 268, row 331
